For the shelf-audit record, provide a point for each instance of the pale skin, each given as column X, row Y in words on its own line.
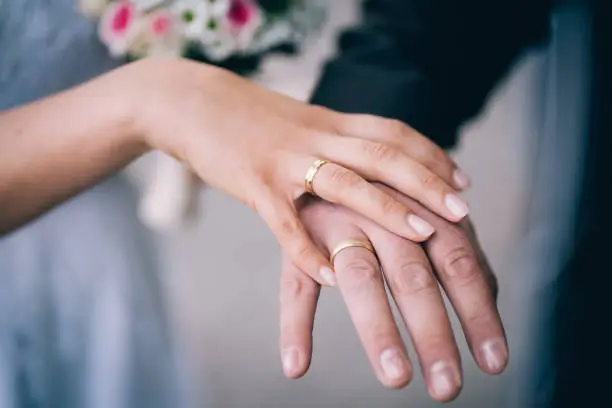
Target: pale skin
column 257, row 146
column 250, row 142
column 452, row 257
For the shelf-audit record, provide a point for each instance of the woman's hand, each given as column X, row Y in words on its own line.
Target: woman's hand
column 257, row 145
column 253, row 143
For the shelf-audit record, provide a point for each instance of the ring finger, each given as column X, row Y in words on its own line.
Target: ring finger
column 339, row 185
column 362, row 287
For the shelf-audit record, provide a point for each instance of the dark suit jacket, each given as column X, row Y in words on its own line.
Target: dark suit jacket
column 432, row 64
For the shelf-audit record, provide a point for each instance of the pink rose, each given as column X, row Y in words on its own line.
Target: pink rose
column 161, row 24
column 241, row 12
column 118, row 26
column 161, row 37
column 244, row 18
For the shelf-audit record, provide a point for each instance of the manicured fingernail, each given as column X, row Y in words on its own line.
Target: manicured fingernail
column 328, row 276
column 495, row 354
column 456, row 205
column 394, row 364
column 420, row 226
column 445, row 380
column 291, row 360
column 461, row 179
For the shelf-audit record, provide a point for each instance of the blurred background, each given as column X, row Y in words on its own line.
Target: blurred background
column 221, row 274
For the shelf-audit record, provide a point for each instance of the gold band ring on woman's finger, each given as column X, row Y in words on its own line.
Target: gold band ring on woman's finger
column 311, row 174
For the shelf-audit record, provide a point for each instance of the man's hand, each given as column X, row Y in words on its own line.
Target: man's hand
column 451, row 257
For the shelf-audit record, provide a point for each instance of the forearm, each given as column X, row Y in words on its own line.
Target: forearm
column 54, row 148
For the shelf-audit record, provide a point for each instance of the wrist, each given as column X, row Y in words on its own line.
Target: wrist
column 159, row 90
column 117, row 94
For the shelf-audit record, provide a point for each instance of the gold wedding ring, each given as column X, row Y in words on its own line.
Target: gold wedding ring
column 311, row 173
column 350, row 243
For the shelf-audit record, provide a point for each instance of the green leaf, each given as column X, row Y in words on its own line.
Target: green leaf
column 188, row 16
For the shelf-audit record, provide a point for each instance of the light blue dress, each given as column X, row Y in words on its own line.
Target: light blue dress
column 82, row 317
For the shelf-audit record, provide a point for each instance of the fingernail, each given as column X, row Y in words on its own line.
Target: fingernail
column 421, row 226
column 456, row 205
column 291, row 359
column 394, row 364
column 461, row 179
column 328, row 276
column 445, row 380
column 494, row 353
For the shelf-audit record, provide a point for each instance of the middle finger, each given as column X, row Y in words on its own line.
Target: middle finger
column 414, row 288
column 381, row 162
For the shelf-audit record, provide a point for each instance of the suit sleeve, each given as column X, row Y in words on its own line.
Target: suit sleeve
column 429, row 63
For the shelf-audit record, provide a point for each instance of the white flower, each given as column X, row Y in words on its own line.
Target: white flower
column 159, row 36
column 230, row 32
column 222, row 48
column 302, row 19
column 219, row 28
column 201, row 19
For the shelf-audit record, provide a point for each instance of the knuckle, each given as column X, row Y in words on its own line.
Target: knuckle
column 379, row 151
column 343, row 177
column 388, row 205
column 288, row 226
column 361, row 273
column 429, row 180
column 295, row 288
column 461, row 265
column 412, row 278
column 302, row 252
column 480, row 317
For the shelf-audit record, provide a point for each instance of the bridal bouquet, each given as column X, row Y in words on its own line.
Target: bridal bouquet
column 209, row 30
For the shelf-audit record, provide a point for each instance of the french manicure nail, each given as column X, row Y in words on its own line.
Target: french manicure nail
column 456, row 205
column 461, row 179
column 494, row 353
column 421, row 226
column 328, row 276
column 394, row 364
column 445, row 380
column 291, row 359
